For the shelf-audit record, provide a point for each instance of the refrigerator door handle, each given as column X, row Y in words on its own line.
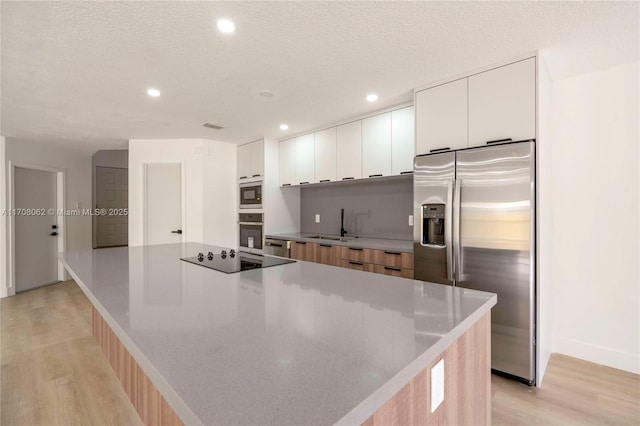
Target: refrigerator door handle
column 457, row 251
column 448, row 240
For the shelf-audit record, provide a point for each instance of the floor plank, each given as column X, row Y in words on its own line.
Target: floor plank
column 53, row 373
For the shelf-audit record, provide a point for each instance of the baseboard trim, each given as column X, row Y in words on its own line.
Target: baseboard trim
column 599, row 354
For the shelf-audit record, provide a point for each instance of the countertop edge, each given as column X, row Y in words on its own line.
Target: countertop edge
column 376, row 400
column 167, row 392
column 351, row 243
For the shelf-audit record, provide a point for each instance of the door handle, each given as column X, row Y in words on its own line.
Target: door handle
column 457, row 212
column 177, row 231
column 448, row 227
column 53, row 234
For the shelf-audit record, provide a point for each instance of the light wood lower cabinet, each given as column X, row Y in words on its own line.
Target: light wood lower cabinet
column 327, row 254
column 303, row 251
column 358, row 266
column 356, row 254
column 393, row 271
column 393, row 258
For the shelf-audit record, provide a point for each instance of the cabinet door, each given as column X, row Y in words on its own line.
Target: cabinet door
column 244, row 161
column 325, row 155
column 303, row 251
column 376, row 145
column 328, row 254
column 403, row 142
column 257, row 159
column 349, row 150
column 305, row 167
column 288, row 162
column 502, row 103
column 441, row 117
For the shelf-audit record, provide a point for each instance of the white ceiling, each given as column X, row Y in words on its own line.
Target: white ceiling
column 78, row 71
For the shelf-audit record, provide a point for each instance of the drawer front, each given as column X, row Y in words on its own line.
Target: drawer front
column 393, row 271
column 358, row 266
column 303, row 251
column 328, row 254
column 357, row 254
column 393, row 258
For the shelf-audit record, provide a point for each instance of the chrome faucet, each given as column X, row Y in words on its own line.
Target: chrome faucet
column 342, row 230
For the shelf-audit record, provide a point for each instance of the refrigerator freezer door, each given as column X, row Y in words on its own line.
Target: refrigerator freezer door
column 433, row 177
column 496, row 246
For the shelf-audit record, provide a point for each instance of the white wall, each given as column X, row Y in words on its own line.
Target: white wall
column 595, row 228
column 281, row 205
column 209, row 170
column 105, row 158
column 77, row 166
column 544, row 209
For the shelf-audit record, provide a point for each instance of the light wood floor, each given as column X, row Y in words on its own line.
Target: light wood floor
column 53, row 373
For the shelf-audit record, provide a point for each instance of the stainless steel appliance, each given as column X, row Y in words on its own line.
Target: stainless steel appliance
column 232, row 262
column 251, row 232
column 277, row 247
column 475, row 228
column 251, row 195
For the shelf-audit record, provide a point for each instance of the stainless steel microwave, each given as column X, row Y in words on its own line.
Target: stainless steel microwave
column 251, row 195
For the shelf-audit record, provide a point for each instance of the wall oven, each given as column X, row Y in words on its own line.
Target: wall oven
column 251, row 195
column 251, row 232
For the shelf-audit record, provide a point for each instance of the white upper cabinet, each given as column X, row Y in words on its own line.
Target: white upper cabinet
column 376, row 145
column 325, row 155
column 305, row 165
column 349, row 150
column 441, row 117
column 251, row 160
column 257, row 159
column 502, row 103
column 244, row 161
column 402, row 140
column 288, row 162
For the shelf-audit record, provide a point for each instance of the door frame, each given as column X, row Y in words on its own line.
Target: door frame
column 183, row 188
column 62, row 220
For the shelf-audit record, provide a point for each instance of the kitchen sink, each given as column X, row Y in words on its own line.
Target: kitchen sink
column 331, row 238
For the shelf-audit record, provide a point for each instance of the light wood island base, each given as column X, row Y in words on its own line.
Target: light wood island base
column 152, row 408
column 467, row 400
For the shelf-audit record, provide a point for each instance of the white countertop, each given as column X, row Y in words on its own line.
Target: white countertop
column 301, row 343
column 356, row 242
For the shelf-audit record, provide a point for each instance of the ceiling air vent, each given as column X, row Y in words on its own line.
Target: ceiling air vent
column 212, row 126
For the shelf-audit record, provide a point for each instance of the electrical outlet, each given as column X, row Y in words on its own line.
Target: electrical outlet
column 437, row 385
column 317, row 218
column 410, row 220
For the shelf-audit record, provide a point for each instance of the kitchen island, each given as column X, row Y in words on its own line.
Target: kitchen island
column 300, row 343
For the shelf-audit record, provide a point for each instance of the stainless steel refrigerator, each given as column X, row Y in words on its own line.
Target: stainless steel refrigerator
column 475, row 228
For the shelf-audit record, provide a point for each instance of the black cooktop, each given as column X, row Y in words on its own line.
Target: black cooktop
column 235, row 262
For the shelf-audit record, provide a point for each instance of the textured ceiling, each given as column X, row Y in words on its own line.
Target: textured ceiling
column 78, row 71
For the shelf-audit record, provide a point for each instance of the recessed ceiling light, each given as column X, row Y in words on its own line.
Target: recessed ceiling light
column 226, row 25
column 266, row 94
column 154, row 93
column 284, row 127
column 372, row 97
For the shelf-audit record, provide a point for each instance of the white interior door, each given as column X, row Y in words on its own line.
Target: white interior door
column 36, row 260
column 112, row 194
column 163, row 203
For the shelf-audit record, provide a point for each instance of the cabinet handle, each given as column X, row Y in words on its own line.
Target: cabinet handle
column 325, row 180
column 286, row 184
column 410, row 172
column 499, row 141
column 440, row 150
column 395, row 253
column 355, row 249
column 301, row 242
column 326, row 245
column 389, row 268
column 347, row 178
column 356, row 263
column 256, row 175
column 243, row 177
column 303, row 183
column 378, row 175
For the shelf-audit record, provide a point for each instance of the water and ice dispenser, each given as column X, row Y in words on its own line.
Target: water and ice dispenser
column 433, row 224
